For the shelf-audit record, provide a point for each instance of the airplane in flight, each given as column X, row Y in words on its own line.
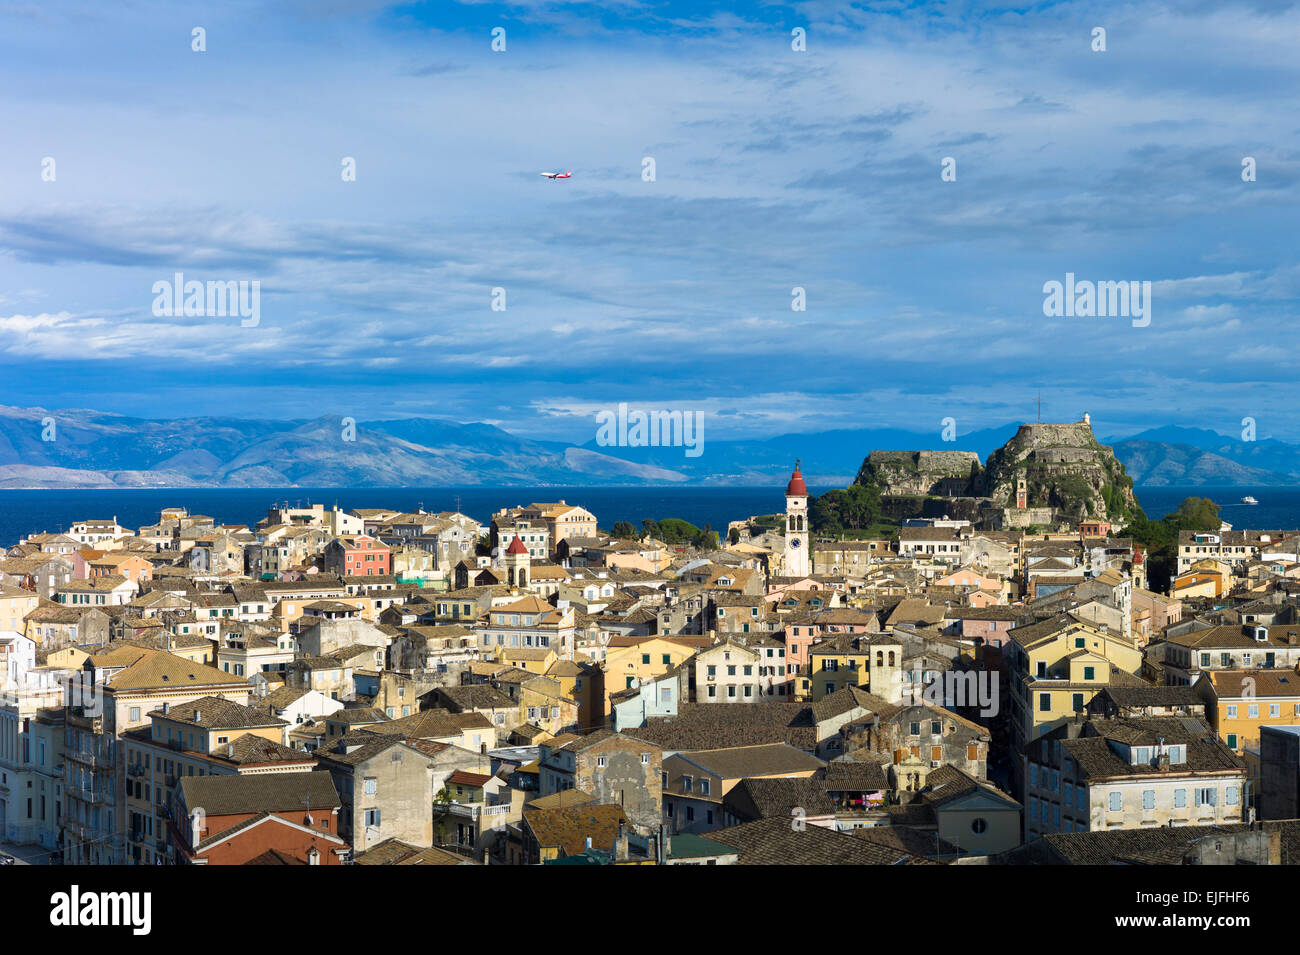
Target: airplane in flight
column 557, row 175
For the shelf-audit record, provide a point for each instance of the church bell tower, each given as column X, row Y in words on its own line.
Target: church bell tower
column 797, row 557
column 517, row 562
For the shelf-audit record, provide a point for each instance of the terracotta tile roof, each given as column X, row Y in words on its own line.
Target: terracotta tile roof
column 213, row 712
column 159, row 669
column 776, row 842
column 1232, row 684
column 700, row 726
column 270, row 792
column 250, row 750
column 568, row 829
column 1164, row 845
column 777, row 797
column 851, row 775
column 1144, row 696
column 759, row 759
column 464, row 778
column 1097, row 760
column 396, row 852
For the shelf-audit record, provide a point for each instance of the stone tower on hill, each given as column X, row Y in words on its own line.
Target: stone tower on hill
column 1064, row 467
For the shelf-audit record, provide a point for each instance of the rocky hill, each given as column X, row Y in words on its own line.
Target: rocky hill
column 898, row 473
column 1065, row 467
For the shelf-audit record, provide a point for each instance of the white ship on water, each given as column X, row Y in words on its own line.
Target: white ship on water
column 1249, row 500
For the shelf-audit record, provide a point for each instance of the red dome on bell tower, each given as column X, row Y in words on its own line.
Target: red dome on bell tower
column 796, row 487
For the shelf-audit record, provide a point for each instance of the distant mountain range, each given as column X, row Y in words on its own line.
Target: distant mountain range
column 86, row 448
column 1189, row 456
column 98, row 449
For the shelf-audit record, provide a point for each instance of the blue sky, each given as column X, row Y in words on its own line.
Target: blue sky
column 774, row 169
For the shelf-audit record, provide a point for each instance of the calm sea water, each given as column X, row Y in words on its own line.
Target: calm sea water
column 1278, row 507
column 25, row 512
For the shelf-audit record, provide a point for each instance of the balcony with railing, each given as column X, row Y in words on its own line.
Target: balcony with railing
column 98, row 758
column 487, row 816
column 78, row 832
column 86, row 793
column 97, row 753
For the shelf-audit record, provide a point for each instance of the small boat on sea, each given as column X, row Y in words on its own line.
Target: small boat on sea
column 1249, row 500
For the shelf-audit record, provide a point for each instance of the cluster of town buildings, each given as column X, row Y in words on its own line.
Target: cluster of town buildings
column 373, row 687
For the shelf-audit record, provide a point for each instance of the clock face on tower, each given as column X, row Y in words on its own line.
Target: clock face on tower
column 795, row 542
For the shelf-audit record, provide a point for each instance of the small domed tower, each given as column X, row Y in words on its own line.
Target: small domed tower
column 517, row 561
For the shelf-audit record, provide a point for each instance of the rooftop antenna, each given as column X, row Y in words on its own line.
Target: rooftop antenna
column 1040, row 407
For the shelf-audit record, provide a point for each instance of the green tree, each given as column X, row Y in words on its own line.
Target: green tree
column 1195, row 514
column 624, row 530
column 855, row 508
column 706, row 539
column 674, row 530
column 1159, row 539
column 824, row 513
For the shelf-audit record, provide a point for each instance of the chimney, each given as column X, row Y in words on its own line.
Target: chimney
column 198, row 715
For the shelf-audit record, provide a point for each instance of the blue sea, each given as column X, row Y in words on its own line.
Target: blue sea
column 1278, row 507
column 24, row 512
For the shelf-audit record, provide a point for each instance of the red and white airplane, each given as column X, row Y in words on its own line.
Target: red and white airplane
column 557, row 175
